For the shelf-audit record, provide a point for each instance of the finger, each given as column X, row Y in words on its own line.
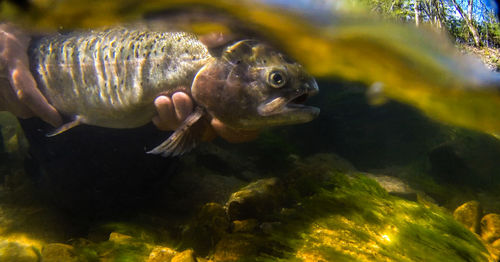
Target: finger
column 233, row 135
column 25, row 88
column 166, row 119
column 10, row 102
column 183, row 105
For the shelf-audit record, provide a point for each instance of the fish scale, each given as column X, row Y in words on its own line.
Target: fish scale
column 110, row 78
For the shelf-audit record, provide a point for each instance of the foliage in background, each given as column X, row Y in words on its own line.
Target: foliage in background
column 468, row 21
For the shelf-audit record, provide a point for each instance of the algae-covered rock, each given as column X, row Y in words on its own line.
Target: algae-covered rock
column 161, row 254
column 469, row 214
column 206, row 229
column 125, row 243
column 496, row 244
column 494, row 249
column 12, row 139
column 57, row 252
column 255, row 200
column 236, row 247
column 490, row 227
column 351, row 218
column 318, row 213
column 395, row 186
column 247, row 225
column 472, row 159
column 184, row 256
column 117, row 237
column 17, row 251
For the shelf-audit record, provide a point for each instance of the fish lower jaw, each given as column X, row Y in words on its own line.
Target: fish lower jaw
column 289, row 114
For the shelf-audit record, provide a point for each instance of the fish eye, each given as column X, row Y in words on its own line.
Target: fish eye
column 277, row 79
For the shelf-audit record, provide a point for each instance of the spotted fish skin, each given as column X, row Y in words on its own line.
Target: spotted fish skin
column 110, row 78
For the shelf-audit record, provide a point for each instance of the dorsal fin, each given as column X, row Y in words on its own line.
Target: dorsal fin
column 216, row 42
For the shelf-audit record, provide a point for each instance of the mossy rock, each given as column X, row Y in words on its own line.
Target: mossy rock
column 351, row 218
column 469, row 214
column 328, row 214
column 18, row 250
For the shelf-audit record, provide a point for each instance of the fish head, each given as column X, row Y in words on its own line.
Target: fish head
column 252, row 85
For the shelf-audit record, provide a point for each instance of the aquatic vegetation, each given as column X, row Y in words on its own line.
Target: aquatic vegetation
column 327, row 211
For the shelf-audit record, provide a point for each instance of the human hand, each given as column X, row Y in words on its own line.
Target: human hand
column 172, row 112
column 18, row 92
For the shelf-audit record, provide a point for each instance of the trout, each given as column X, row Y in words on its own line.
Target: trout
column 110, row 78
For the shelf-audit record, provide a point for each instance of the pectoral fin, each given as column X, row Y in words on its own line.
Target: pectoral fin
column 184, row 139
column 78, row 120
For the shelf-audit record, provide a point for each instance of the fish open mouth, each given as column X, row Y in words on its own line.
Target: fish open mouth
column 291, row 110
column 301, row 99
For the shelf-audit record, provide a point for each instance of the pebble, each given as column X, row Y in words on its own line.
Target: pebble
column 469, row 214
column 490, row 227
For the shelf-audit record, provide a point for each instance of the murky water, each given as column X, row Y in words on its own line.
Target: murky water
column 404, row 137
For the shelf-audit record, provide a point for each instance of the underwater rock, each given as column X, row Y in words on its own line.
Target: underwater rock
column 118, row 237
column 490, row 227
column 448, row 165
column 318, row 213
column 269, row 227
column 11, row 251
column 494, row 250
column 57, row 252
column 496, row 244
column 255, row 200
column 161, row 254
column 206, row 229
column 237, row 247
column 470, row 159
column 224, row 160
column 210, row 185
column 247, row 225
column 469, row 214
column 395, row 186
column 12, row 139
column 184, row 256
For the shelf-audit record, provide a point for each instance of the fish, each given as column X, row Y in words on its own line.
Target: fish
column 110, row 78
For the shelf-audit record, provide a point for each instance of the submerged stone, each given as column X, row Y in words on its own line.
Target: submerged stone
column 490, row 227
column 118, row 237
column 247, row 225
column 469, row 214
column 12, row 251
column 184, row 256
column 395, row 186
column 237, row 247
column 470, row 159
column 205, row 229
column 352, row 218
column 57, row 252
column 255, row 200
column 161, row 254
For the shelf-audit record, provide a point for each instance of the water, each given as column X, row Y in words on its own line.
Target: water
column 365, row 181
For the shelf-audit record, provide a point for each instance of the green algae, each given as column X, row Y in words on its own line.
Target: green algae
column 126, row 251
column 362, row 221
column 336, row 215
column 331, row 213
